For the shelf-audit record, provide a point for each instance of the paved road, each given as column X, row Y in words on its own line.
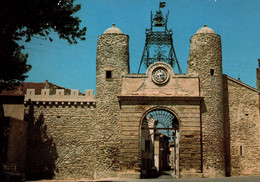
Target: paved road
column 164, row 178
column 225, row 179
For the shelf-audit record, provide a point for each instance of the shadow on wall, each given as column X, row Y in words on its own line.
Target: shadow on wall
column 3, row 137
column 41, row 150
column 226, row 128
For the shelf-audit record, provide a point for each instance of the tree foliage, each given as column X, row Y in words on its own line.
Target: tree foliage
column 25, row 19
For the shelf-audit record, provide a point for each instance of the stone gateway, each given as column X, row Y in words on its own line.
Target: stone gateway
column 198, row 124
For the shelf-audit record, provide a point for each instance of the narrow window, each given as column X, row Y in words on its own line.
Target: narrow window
column 211, row 72
column 240, row 150
column 108, row 74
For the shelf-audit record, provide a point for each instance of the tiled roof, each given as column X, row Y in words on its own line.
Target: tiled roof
column 21, row 89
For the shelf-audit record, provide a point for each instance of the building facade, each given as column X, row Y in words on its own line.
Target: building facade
column 198, row 124
column 213, row 129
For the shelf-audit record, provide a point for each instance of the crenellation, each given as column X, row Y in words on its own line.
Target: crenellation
column 74, row 98
column 199, row 124
column 30, row 92
column 45, row 92
column 74, row 92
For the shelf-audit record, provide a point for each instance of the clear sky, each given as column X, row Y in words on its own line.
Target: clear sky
column 74, row 66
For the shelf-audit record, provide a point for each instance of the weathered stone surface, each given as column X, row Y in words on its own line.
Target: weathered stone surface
column 92, row 137
column 205, row 60
column 190, row 146
column 113, row 56
column 67, row 144
column 241, row 128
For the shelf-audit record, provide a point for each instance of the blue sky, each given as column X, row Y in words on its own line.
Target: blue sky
column 73, row 66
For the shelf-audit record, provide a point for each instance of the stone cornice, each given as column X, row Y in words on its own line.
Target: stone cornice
column 158, row 98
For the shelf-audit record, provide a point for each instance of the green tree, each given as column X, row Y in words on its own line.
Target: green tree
column 26, row 18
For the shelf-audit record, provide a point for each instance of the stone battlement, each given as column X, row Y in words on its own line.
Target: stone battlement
column 60, row 98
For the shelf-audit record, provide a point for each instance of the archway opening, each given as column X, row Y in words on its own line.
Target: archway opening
column 160, row 144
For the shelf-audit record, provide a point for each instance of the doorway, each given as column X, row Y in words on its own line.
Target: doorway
column 160, row 143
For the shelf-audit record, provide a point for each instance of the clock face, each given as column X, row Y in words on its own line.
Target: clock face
column 160, row 75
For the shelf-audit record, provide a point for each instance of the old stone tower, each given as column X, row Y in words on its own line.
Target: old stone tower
column 199, row 124
column 205, row 60
column 112, row 63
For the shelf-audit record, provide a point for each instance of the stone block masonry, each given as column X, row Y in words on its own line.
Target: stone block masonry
column 215, row 118
column 205, row 60
column 241, row 128
column 111, row 64
column 61, row 135
column 132, row 110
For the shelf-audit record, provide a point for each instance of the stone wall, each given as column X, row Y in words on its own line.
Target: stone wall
column 81, row 136
column 180, row 95
column 62, row 141
column 188, row 112
column 205, row 60
column 241, row 128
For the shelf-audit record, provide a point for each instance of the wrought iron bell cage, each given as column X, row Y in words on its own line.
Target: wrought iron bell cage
column 159, row 43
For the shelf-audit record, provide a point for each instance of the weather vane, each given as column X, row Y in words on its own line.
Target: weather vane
column 162, row 5
column 159, row 42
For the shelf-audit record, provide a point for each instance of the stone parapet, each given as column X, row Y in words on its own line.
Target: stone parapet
column 60, row 98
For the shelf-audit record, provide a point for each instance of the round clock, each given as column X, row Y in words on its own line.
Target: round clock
column 160, row 75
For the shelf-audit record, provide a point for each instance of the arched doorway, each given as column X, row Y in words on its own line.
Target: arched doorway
column 160, row 143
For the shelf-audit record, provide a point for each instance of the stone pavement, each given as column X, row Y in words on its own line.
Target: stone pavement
column 164, row 178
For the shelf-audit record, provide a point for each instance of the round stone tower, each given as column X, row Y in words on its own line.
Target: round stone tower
column 205, row 60
column 112, row 63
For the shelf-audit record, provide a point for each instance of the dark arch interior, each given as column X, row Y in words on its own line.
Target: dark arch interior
column 159, row 135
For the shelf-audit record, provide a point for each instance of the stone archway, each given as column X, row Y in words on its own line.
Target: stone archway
column 160, row 142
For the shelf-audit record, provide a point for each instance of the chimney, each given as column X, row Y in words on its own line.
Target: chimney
column 46, row 86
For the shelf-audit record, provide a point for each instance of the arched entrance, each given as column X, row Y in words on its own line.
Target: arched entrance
column 160, row 143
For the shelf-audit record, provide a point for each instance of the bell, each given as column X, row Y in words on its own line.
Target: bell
column 158, row 23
